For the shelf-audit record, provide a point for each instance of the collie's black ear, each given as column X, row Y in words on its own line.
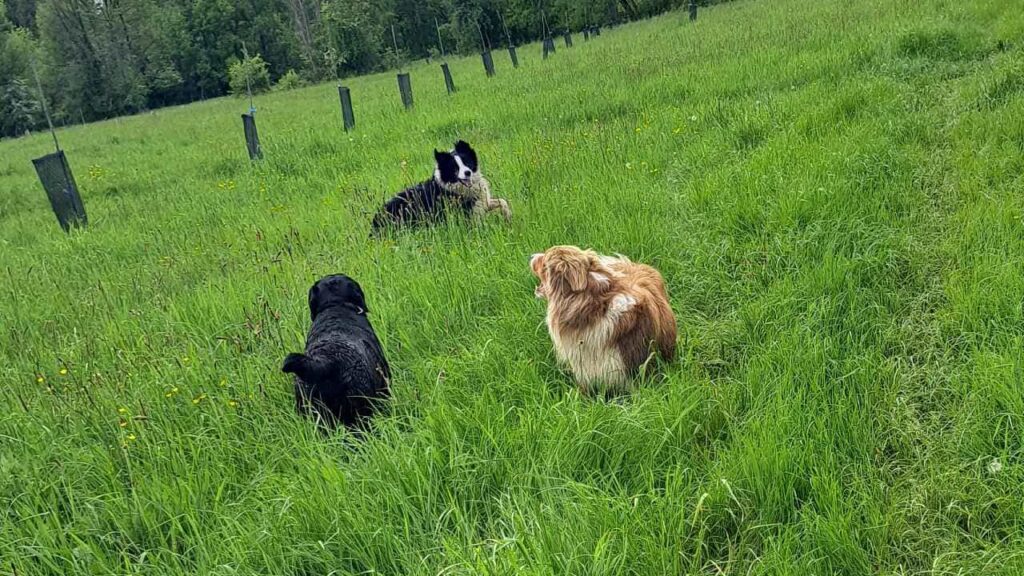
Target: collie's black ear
column 468, row 155
column 447, row 167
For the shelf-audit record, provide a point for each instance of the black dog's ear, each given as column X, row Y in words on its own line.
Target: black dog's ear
column 314, row 300
column 358, row 298
column 463, row 148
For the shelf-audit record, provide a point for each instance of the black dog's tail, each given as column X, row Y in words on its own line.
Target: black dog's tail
column 309, row 369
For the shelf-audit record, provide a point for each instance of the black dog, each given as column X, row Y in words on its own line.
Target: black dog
column 457, row 185
column 343, row 371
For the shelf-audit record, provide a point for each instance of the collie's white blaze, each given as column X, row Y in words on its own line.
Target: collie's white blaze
column 464, row 171
column 590, row 355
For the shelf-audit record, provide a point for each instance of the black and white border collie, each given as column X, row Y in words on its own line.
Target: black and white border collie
column 457, row 185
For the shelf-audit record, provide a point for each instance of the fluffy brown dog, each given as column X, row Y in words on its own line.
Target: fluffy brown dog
column 606, row 315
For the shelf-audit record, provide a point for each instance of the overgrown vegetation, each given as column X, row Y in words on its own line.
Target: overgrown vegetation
column 832, row 190
column 104, row 59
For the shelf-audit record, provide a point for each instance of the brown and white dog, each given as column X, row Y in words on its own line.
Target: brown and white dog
column 607, row 316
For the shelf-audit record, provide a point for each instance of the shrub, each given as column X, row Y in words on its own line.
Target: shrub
column 254, row 70
column 290, row 81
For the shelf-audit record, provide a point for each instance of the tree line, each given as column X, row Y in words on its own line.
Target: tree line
column 102, row 58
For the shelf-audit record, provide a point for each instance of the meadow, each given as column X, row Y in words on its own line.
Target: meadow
column 833, row 190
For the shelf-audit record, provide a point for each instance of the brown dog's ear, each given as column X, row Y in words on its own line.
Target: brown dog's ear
column 570, row 273
column 578, row 275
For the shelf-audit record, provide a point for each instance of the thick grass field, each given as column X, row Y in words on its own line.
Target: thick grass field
column 833, row 190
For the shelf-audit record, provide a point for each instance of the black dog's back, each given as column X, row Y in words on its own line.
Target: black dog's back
column 340, row 382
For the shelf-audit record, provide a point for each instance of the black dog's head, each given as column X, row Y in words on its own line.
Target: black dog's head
column 336, row 290
column 459, row 166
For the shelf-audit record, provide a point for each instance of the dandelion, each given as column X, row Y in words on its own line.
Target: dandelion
column 63, row 371
column 122, row 410
column 172, row 392
column 185, row 359
column 232, row 403
column 223, row 383
column 199, row 399
column 40, row 379
column 131, row 437
column 123, row 423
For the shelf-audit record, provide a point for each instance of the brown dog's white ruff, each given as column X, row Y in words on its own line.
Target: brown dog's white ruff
column 606, row 315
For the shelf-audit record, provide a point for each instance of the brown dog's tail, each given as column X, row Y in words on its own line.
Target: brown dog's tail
column 666, row 336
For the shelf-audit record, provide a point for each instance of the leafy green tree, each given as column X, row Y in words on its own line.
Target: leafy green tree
column 249, row 74
column 19, row 109
column 353, row 34
column 21, row 13
column 19, row 105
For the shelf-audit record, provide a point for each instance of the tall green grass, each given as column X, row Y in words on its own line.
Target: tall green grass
column 832, row 190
